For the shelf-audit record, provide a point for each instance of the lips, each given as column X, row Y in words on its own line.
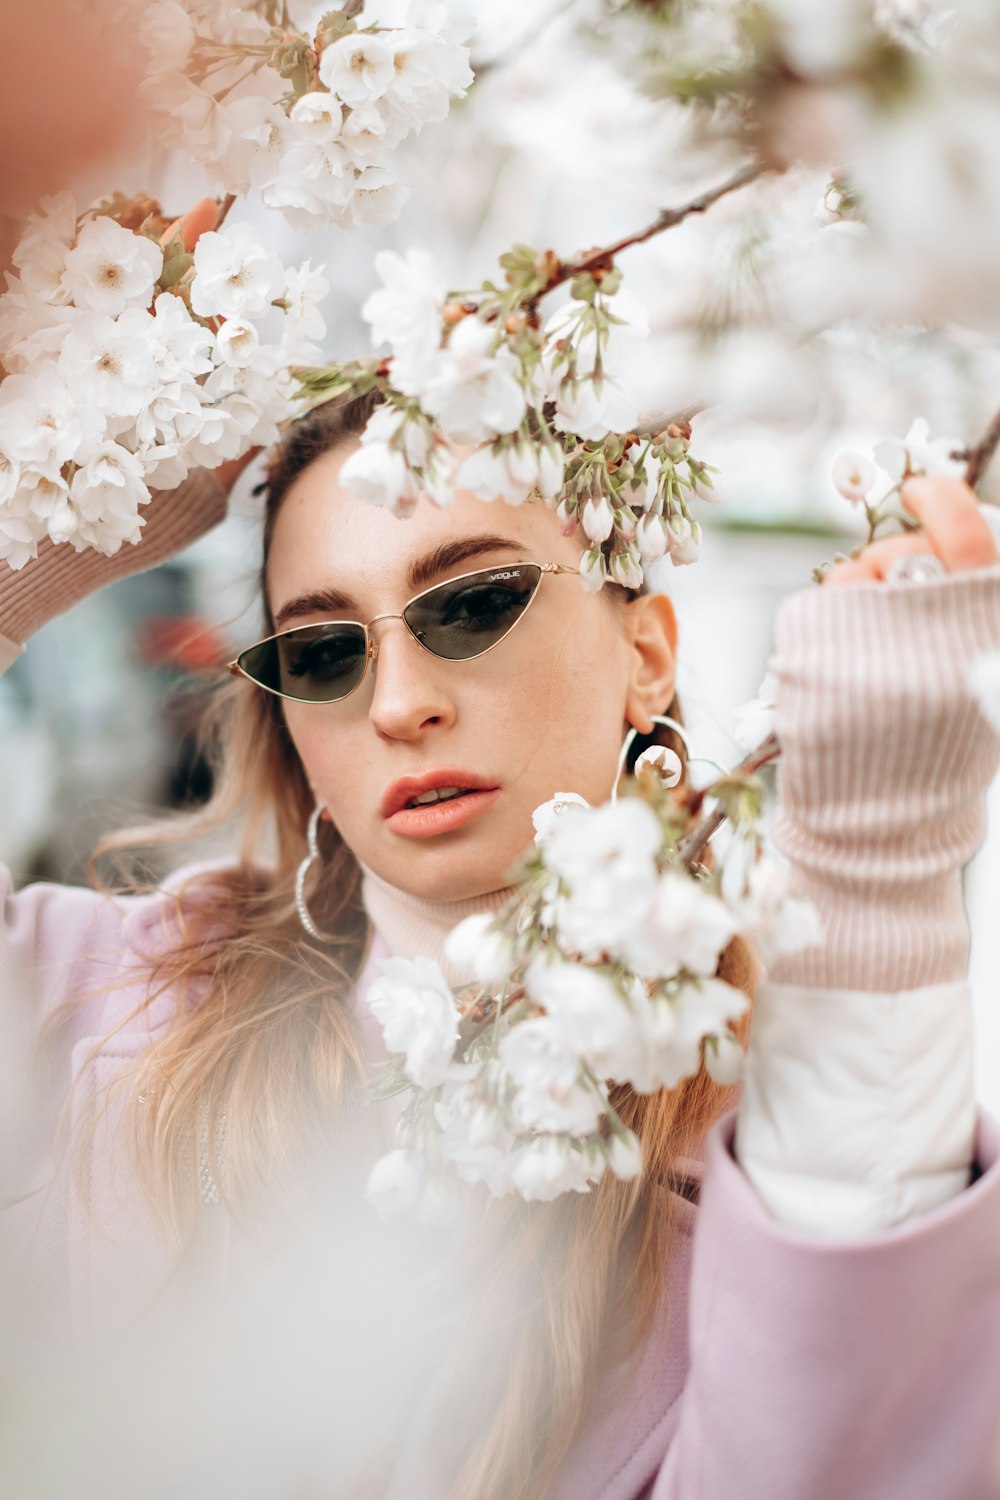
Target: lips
column 426, row 820
column 401, row 793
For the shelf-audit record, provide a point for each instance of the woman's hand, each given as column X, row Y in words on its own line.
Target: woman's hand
column 952, row 527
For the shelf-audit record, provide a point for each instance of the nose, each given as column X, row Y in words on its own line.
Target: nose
column 410, row 694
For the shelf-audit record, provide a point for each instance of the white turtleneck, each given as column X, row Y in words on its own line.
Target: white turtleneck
column 413, row 927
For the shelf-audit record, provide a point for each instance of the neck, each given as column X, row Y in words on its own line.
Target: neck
column 412, row 927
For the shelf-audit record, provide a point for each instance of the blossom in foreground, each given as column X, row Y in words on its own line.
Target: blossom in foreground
column 413, row 1003
column 128, row 366
column 312, row 123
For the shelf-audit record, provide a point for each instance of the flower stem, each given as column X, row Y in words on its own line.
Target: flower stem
column 692, row 847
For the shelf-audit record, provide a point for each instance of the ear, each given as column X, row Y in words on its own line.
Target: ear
column 653, row 665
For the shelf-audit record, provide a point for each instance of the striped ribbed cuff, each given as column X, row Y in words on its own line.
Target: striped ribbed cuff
column 59, row 577
column 885, row 762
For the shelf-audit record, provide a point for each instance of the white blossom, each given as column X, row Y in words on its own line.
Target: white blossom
column 110, row 268
column 317, row 116
column 108, row 361
column 546, row 817
column 413, row 1003
column 235, row 277
column 358, row 68
column 777, row 922
column 237, row 342
column 106, row 492
column 552, row 1093
column 476, row 947
column 512, row 473
column 593, row 408
column 257, row 133
column 606, row 858
column 590, row 1017
column 314, row 186
column 41, row 253
column 551, row 1166
column 918, row 453
column 405, row 312
column 168, row 34
column 853, row 476
column 724, row 1059
column 473, row 390
column 684, row 927
column 624, row 1154
column 755, row 718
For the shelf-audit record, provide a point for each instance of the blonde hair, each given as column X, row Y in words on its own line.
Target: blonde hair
column 262, row 1036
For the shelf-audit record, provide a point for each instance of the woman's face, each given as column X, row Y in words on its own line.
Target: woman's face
column 544, row 711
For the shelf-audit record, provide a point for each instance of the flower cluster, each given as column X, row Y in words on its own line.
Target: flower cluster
column 547, row 408
column 132, row 361
column 602, row 970
column 307, row 120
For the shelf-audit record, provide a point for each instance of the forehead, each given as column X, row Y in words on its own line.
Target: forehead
column 325, row 537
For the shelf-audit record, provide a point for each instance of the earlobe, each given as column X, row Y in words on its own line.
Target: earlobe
column 653, row 667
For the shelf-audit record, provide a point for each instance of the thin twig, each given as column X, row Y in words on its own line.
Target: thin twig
column 691, row 847
column 224, row 208
column 980, row 455
column 667, row 218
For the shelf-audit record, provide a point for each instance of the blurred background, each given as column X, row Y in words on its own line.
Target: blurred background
column 561, row 145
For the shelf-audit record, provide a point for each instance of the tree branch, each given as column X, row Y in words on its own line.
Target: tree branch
column 692, row 847
column 603, row 258
column 980, row 455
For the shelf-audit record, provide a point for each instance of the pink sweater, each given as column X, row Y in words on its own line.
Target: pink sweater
column 835, row 1296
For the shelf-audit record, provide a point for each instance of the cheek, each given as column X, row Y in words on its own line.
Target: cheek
column 566, row 710
column 327, row 746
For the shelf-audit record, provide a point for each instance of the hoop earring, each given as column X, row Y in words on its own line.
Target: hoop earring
column 681, row 733
column 312, row 837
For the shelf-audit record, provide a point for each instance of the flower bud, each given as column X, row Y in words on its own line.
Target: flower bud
column 598, row 519
column 664, row 761
column 550, row 471
column 651, row 534
column 626, row 570
column 683, row 539
column 625, row 522
column 592, row 571
column 566, row 516
column 453, row 312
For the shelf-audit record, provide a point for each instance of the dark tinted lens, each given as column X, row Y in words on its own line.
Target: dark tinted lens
column 469, row 615
column 315, row 663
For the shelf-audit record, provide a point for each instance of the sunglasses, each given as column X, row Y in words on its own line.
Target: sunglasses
column 457, row 620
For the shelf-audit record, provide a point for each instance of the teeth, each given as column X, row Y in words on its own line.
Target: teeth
column 439, row 794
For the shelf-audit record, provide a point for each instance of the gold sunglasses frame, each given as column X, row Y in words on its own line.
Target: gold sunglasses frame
column 371, row 644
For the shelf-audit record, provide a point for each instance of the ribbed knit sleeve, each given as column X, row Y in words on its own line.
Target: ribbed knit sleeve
column 59, row 577
column 885, row 761
column 858, row 1112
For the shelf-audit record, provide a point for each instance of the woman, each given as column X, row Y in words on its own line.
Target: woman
column 740, row 1359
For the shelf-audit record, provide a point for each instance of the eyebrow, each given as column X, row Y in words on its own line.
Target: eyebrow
column 421, row 572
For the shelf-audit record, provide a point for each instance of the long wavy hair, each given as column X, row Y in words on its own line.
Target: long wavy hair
column 261, row 1035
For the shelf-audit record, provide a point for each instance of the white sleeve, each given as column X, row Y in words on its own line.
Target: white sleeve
column 9, row 653
column 858, row 1107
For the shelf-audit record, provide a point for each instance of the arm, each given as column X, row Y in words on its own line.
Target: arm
column 844, row 1312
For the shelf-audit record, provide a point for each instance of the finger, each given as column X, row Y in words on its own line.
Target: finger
column 196, row 222
column 949, row 513
column 874, row 561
